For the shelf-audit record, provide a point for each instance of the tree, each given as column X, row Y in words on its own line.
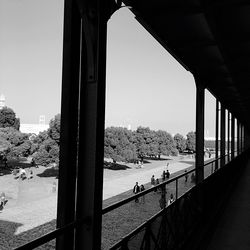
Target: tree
column 8, row 118
column 119, row 144
column 190, row 142
column 20, row 150
column 45, row 147
column 15, row 137
column 166, row 143
column 54, row 128
column 143, row 138
column 180, row 142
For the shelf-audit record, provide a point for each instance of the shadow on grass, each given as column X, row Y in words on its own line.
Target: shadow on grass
column 10, row 240
column 49, row 172
column 13, row 164
column 114, row 166
column 155, row 159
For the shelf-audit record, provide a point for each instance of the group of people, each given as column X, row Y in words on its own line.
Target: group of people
column 22, row 174
column 165, row 176
column 3, row 201
column 137, row 189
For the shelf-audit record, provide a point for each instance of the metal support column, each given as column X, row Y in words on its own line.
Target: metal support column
column 199, row 163
column 228, row 135
column 232, row 136
column 242, row 138
column 95, row 14
column 216, row 134
column 238, row 137
column 222, row 135
column 69, row 123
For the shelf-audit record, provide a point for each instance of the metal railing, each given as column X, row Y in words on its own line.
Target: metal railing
column 210, row 167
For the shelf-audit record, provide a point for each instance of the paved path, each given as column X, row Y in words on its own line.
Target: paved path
column 112, row 187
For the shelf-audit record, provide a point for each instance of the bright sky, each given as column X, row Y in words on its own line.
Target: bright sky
column 31, row 57
column 145, row 85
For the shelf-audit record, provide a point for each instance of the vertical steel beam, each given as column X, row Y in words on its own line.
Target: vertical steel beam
column 242, row 138
column 69, row 123
column 228, row 135
column 238, row 137
column 91, row 124
column 216, row 134
column 222, row 135
column 232, row 136
column 199, row 163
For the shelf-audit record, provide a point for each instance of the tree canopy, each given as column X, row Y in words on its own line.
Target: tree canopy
column 46, row 145
column 8, row 118
column 191, row 141
column 121, row 144
column 180, row 142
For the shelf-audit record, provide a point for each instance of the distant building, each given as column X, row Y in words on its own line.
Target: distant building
column 2, row 101
column 34, row 128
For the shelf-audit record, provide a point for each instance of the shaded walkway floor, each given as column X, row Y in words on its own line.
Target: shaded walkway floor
column 233, row 228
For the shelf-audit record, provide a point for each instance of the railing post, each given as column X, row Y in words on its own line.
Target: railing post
column 163, row 197
column 176, row 189
column 232, row 136
column 242, row 138
column 69, row 123
column 222, row 135
column 217, row 134
column 94, row 17
column 199, row 148
column 238, row 137
column 228, row 135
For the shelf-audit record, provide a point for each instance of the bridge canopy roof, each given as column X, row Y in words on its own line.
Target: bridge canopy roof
column 211, row 39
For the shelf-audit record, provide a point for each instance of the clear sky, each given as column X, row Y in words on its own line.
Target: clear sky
column 31, row 57
column 145, row 85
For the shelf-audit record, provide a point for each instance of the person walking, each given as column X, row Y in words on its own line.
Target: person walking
column 152, row 181
column 142, row 188
column 163, row 175
column 167, row 175
column 157, row 182
column 136, row 190
column 171, row 199
column 186, row 176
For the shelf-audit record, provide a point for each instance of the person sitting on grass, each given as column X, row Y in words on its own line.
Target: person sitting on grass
column 3, row 200
column 22, row 173
column 30, row 174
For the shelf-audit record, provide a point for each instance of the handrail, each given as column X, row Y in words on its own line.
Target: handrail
column 132, row 233
column 126, row 238
column 50, row 236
